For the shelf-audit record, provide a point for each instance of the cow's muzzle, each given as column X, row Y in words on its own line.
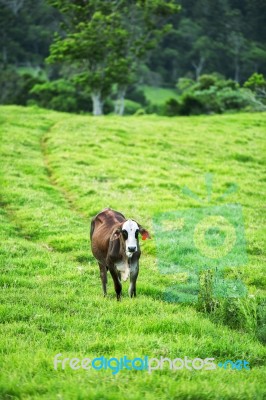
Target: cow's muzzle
column 132, row 249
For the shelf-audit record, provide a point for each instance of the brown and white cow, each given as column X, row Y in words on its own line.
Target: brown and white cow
column 115, row 245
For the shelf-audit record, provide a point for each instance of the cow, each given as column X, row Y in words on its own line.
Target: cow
column 115, row 245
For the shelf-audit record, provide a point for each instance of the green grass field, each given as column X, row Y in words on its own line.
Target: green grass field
column 158, row 95
column 57, row 171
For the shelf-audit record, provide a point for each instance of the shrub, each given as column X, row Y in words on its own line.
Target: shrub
column 131, row 107
column 137, row 95
column 140, row 111
column 245, row 313
column 185, row 84
column 158, row 109
column 26, row 83
column 232, row 99
column 206, row 81
column 15, row 87
column 61, row 95
column 209, row 100
column 229, row 83
column 214, row 94
column 108, row 106
column 191, row 104
column 9, row 84
column 257, row 84
column 172, row 107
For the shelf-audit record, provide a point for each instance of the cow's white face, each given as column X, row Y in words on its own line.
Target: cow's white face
column 130, row 231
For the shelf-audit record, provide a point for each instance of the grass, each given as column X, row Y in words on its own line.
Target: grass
column 57, row 171
column 159, row 96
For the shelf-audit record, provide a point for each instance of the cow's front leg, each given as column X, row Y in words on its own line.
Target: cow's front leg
column 134, row 271
column 103, row 274
column 117, row 283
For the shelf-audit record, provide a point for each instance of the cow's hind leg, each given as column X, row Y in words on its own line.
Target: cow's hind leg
column 103, row 274
column 117, row 283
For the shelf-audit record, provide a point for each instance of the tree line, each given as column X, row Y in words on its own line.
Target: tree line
column 106, row 46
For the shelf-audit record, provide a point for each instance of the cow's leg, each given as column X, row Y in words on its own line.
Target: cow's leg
column 117, row 283
column 134, row 271
column 103, row 274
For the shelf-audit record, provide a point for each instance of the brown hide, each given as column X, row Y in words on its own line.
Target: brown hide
column 103, row 228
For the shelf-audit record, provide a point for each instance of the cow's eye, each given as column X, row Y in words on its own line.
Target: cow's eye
column 125, row 234
column 136, row 233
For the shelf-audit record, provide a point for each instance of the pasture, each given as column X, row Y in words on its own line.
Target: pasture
column 57, row 171
column 159, row 95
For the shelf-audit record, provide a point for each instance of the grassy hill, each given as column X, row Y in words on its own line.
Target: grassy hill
column 158, row 95
column 57, row 171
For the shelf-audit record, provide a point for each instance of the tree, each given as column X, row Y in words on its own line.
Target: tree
column 104, row 40
column 14, row 5
column 257, row 84
column 226, row 36
column 26, row 31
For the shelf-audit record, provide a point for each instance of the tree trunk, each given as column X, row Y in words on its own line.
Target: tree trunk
column 237, row 69
column 4, row 55
column 97, row 103
column 120, row 101
column 4, row 50
column 199, row 67
column 14, row 5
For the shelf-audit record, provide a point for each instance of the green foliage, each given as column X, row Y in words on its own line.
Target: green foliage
column 228, row 37
column 131, row 107
column 101, row 39
column 26, row 31
column 136, row 94
column 140, row 111
column 158, row 95
column 108, row 106
column 192, row 104
column 245, row 313
column 184, row 84
column 172, row 107
column 207, row 36
column 9, row 86
column 205, row 82
column 261, row 320
column 229, row 99
column 26, row 83
column 158, row 109
column 206, row 299
column 255, row 81
column 15, row 87
column 61, row 95
column 257, row 84
column 211, row 94
column 239, row 313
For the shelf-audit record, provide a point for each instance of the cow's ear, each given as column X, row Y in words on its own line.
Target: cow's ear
column 116, row 234
column 144, row 233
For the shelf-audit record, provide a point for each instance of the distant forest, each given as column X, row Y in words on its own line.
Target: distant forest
column 223, row 36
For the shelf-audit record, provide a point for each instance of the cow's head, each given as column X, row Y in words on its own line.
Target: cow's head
column 129, row 231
